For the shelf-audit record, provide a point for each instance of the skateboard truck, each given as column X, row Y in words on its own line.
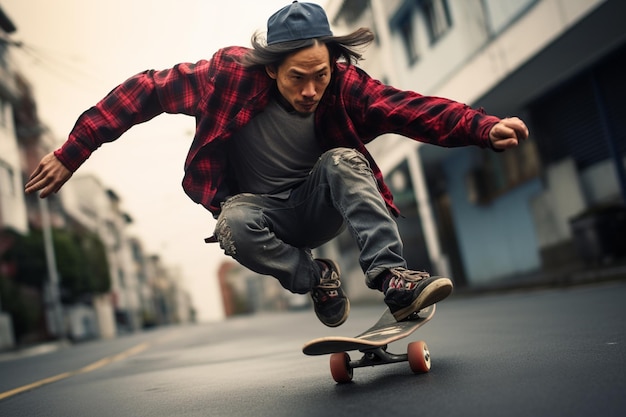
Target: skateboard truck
column 342, row 367
column 373, row 357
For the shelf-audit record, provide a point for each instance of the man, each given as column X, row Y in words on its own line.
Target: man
column 279, row 157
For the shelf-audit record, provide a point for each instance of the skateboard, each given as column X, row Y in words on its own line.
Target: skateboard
column 373, row 344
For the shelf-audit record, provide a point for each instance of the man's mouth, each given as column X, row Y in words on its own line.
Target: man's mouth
column 307, row 105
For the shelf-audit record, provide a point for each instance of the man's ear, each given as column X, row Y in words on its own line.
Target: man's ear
column 271, row 71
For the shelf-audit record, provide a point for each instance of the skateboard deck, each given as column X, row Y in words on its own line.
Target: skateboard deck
column 373, row 344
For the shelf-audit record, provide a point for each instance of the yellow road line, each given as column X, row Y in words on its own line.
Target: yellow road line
column 91, row 367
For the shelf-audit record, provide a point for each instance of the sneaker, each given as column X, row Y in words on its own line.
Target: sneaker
column 411, row 291
column 329, row 301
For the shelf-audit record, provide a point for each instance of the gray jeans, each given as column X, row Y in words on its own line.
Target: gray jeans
column 274, row 235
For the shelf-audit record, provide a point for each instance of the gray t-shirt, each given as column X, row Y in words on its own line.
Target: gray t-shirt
column 275, row 151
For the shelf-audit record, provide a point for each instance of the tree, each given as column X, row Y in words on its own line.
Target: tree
column 80, row 257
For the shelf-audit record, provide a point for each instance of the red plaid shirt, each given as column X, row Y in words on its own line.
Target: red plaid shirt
column 223, row 96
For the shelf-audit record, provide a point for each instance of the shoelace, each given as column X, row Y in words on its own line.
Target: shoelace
column 329, row 286
column 406, row 279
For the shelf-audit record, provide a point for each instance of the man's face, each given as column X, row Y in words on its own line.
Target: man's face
column 303, row 77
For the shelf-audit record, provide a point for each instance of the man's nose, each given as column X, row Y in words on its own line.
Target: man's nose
column 309, row 89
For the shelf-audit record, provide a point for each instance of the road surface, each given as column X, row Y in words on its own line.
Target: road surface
column 557, row 352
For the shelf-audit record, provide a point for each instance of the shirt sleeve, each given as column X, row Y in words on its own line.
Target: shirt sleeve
column 177, row 90
column 379, row 109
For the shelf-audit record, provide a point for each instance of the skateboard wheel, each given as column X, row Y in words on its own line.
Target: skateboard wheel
column 340, row 367
column 419, row 357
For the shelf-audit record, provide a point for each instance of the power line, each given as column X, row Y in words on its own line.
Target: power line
column 55, row 64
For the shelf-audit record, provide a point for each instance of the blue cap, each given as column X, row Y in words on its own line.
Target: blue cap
column 296, row 22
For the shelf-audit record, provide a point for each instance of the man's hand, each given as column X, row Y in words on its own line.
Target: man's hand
column 507, row 133
column 49, row 176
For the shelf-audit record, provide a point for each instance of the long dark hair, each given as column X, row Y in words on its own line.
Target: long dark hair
column 347, row 48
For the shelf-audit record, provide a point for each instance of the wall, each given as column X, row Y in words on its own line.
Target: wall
column 494, row 239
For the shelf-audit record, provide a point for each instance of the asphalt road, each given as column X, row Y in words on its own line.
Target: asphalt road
column 559, row 352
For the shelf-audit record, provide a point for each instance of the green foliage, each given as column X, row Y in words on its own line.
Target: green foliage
column 29, row 257
column 96, row 265
column 80, row 257
column 69, row 259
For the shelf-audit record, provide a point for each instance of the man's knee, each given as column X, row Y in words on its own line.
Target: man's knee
column 231, row 228
column 339, row 159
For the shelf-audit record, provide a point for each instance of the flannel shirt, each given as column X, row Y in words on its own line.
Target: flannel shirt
column 223, row 96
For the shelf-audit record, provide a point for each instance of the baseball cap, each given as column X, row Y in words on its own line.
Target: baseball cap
column 296, row 22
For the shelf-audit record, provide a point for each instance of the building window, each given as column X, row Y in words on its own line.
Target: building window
column 407, row 31
column 122, row 278
column 3, row 112
column 498, row 173
column 437, row 17
column 409, row 224
column 7, row 178
column 434, row 18
column 501, row 13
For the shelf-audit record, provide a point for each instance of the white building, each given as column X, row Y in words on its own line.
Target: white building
column 97, row 208
column 488, row 218
column 12, row 205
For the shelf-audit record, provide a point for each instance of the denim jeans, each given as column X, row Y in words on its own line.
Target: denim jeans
column 274, row 234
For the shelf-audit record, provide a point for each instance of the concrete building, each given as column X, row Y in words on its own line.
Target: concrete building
column 171, row 301
column 12, row 205
column 488, row 218
column 141, row 270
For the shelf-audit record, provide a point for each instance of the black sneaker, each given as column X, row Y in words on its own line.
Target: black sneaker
column 329, row 301
column 411, row 291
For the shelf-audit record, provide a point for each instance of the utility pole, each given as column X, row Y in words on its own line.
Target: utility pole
column 52, row 296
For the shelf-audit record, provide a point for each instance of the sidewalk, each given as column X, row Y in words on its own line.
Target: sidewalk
column 558, row 277
column 40, row 349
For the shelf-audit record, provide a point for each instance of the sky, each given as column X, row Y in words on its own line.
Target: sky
column 75, row 51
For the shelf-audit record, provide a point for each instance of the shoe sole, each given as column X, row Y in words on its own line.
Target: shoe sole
column 430, row 295
column 342, row 320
